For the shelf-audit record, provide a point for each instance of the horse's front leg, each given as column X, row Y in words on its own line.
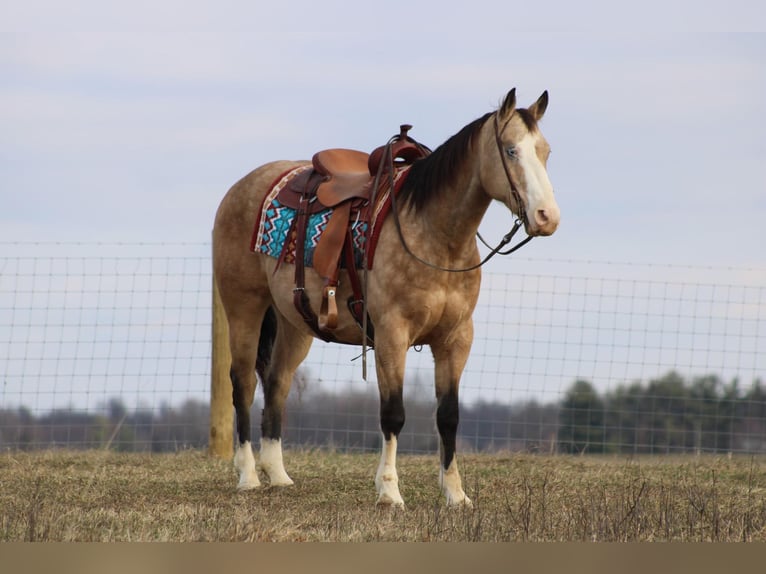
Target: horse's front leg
column 389, row 365
column 450, row 359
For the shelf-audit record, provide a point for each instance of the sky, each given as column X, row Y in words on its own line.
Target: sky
column 128, row 121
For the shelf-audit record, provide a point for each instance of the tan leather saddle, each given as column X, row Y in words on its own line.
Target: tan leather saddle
column 344, row 180
column 340, row 175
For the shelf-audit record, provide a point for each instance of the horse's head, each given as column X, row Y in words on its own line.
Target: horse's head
column 516, row 171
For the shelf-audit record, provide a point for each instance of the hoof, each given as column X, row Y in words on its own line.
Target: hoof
column 386, row 501
column 463, row 502
column 245, row 485
column 281, row 482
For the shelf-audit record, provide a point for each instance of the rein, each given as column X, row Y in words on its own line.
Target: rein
column 507, row 238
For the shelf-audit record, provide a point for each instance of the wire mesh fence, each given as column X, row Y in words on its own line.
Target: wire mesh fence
column 108, row 346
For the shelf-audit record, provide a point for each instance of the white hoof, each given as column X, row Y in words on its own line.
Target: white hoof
column 280, row 480
column 248, row 483
column 386, row 479
column 388, row 491
column 459, row 501
column 390, row 500
column 452, row 487
column 271, row 463
column 244, row 463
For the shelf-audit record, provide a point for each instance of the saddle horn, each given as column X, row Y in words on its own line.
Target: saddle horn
column 404, row 150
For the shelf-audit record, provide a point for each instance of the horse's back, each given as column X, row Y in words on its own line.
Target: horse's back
column 234, row 267
column 244, row 198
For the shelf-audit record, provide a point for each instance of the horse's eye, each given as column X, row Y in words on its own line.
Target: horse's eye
column 512, row 152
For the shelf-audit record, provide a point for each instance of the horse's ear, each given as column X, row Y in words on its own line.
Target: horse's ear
column 509, row 104
column 538, row 108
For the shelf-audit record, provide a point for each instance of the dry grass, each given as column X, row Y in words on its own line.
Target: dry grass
column 102, row 496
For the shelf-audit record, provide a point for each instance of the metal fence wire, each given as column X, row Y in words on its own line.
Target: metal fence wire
column 109, row 346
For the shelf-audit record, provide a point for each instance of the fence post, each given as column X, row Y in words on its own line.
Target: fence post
column 221, row 443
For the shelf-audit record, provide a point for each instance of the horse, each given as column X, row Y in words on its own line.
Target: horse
column 414, row 296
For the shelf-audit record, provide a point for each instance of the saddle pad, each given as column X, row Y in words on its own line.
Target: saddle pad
column 275, row 234
column 272, row 229
column 272, row 232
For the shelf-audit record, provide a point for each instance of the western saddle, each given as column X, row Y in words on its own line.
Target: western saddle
column 348, row 182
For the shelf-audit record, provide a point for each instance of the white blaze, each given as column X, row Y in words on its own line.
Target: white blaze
column 539, row 190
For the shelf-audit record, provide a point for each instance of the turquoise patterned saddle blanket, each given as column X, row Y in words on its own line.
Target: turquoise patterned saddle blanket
column 275, row 234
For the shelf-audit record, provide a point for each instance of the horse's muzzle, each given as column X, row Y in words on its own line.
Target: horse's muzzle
column 544, row 221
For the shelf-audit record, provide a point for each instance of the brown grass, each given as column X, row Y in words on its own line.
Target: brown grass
column 103, row 496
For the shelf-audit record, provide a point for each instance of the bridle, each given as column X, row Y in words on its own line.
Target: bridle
column 520, row 220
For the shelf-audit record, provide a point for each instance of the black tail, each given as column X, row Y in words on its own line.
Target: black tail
column 266, row 342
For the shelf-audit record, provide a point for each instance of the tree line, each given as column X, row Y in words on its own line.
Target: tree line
column 666, row 415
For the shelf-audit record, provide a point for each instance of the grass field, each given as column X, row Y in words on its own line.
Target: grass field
column 104, row 496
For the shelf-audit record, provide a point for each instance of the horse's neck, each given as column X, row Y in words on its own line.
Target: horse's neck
column 453, row 218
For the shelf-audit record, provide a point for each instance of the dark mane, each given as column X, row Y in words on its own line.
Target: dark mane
column 428, row 175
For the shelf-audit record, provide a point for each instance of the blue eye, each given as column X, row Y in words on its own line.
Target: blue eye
column 512, row 152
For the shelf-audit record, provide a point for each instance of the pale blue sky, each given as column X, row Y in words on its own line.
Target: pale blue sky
column 128, row 121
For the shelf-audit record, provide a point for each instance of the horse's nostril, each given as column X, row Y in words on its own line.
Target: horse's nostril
column 541, row 217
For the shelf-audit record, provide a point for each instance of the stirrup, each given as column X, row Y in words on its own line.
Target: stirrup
column 328, row 312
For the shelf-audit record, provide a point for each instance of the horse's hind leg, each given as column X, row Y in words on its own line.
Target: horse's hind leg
column 244, row 338
column 290, row 349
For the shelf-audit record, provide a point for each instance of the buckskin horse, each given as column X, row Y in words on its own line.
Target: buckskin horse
column 418, row 212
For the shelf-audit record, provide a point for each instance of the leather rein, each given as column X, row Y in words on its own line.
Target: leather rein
column 507, row 238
